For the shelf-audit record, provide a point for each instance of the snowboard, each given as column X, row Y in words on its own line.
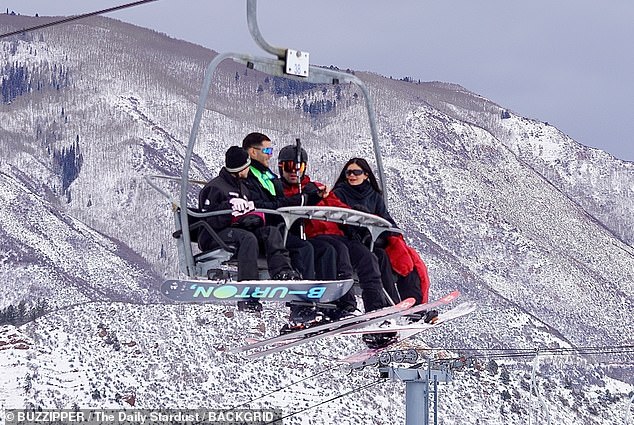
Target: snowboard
column 223, row 291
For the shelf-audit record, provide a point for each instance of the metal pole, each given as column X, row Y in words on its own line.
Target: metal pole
column 535, row 389
column 280, row 53
column 417, row 390
column 202, row 100
column 298, row 161
column 435, row 400
column 627, row 411
column 417, row 402
column 254, row 29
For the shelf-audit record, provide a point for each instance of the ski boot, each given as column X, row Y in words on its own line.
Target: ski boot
column 425, row 316
column 340, row 313
column 287, row 275
column 218, row 275
column 430, row 316
column 345, row 306
column 253, row 306
column 379, row 340
column 303, row 317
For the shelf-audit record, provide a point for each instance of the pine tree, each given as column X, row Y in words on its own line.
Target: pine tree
column 10, row 314
column 41, row 305
column 21, row 312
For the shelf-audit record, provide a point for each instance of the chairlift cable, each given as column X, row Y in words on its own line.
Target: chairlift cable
column 488, row 352
column 76, row 17
column 512, row 353
column 281, row 388
column 352, row 391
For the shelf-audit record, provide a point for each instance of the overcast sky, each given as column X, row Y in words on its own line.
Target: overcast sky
column 568, row 62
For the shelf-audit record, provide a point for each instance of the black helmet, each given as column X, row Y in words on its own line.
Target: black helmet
column 289, row 153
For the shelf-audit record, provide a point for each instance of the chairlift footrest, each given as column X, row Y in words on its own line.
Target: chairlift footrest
column 219, row 275
column 328, row 306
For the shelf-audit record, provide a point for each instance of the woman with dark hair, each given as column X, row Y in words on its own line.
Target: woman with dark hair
column 358, row 187
column 352, row 254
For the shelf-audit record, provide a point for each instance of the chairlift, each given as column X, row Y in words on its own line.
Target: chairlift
column 286, row 63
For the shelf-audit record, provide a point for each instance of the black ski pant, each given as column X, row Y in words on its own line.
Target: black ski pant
column 342, row 267
column 302, row 256
column 407, row 286
column 248, row 245
column 325, row 259
column 387, row 275
column 367, row 268
column 325, row 265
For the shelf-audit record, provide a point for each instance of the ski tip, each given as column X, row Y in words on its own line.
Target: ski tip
column 408, row 302
column 467, row 306
column 451, row 296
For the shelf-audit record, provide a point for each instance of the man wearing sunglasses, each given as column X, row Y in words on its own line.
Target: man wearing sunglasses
column 352, row 254
column 327, row 266
column 266, row 191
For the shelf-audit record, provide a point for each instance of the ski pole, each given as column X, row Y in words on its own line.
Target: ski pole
column 298, row 167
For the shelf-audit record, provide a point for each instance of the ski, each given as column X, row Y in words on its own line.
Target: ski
column 217, row 291
column 306, row 333
column 369, row 356
column 341, row 326
column 458, row 311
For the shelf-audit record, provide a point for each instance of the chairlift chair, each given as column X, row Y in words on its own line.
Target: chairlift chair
column 286, row 63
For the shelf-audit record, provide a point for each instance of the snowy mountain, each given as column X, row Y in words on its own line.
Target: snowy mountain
column 51, row 256
column 534, row 227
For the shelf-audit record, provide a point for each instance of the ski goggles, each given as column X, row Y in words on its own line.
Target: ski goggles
column 355, row 172
column 267, row 151
column 292, row 166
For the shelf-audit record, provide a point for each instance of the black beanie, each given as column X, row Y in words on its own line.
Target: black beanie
column 236, row 159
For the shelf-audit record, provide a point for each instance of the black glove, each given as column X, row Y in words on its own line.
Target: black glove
column 310, row 188
column 359, row 234
column 311, row 198
column 249, row 222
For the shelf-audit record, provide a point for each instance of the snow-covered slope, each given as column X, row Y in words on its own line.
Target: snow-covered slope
column 534, row 227
column 51, row 256
column 598, row 182
column 170, row 356
column 174, row 357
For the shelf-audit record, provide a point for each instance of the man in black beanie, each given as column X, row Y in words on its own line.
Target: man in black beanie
column 245, row 227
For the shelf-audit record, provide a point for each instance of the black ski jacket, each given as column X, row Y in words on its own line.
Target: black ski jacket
column 216, row 194
column 363, row 198
column 262, row 198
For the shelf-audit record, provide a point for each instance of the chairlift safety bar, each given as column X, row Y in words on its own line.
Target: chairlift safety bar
column 275, row 67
